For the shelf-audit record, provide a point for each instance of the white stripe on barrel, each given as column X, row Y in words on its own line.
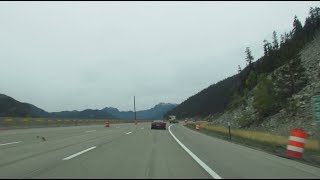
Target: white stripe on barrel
column 297, row 139
column 294, row 148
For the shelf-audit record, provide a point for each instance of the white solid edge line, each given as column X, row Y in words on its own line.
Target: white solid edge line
column 128, row 132
column 77, row 154
column 10, row 143
column 201, row 163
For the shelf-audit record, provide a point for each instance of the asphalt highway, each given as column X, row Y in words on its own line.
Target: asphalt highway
column 135, row 151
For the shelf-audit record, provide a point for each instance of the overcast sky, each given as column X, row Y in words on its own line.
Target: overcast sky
column 78, row 55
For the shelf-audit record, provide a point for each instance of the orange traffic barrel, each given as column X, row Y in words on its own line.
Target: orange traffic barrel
column 197, row 126
column 295, row 145
column 108, row 123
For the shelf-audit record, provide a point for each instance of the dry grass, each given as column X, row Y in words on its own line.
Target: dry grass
column 260, row 136
column 24, row 120
column 8, row 120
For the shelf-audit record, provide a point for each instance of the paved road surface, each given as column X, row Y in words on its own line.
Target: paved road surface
column 135, row 151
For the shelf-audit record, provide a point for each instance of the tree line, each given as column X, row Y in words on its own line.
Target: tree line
column 233, row 91
column 271, row 93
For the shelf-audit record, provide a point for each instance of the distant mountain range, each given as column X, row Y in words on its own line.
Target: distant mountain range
column 10, row 107
column 156, row 112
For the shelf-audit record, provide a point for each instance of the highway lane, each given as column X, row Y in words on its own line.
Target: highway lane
column 124, row 150
column 143, row 153
column 135, row 151
column 231, row 160
column 30, row 135
column 32, row 154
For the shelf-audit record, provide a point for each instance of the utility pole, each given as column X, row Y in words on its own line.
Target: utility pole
column 134, row 105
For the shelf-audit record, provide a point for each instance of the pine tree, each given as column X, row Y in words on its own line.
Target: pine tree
column 265, row 48
column 291, row 34
column 290, row 80
column 297, row 26
column 282, row 40
column 269, row 48
column 286, row 37
column 312, row 23
column 239, row 69
column 249, row 57
column 297, row 77
column 275, row 41
column 315, row 15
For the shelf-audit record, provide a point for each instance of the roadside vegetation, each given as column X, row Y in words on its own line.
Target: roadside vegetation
column 268, row 142
column 260, row 137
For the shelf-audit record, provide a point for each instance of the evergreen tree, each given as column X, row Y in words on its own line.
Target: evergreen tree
column 239, row 69
column 265, row 48
column 249, row 57
column 312, row 22
column 263, row 98
column 315, row 15
column 275, row 41
column 251, row 80
column 297, row 26
column 282, row 40
column 291, row 79
column 297, row 77
column 286, row 37
column 269, row 48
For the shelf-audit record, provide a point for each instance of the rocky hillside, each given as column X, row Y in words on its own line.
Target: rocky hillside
column 284, row 121
column 271, row 79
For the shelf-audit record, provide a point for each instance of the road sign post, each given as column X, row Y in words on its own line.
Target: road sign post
column 229, row 131
column 315, row 103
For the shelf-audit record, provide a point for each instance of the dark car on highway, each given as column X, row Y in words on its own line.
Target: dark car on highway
column 174, row 121
column 158, row 124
